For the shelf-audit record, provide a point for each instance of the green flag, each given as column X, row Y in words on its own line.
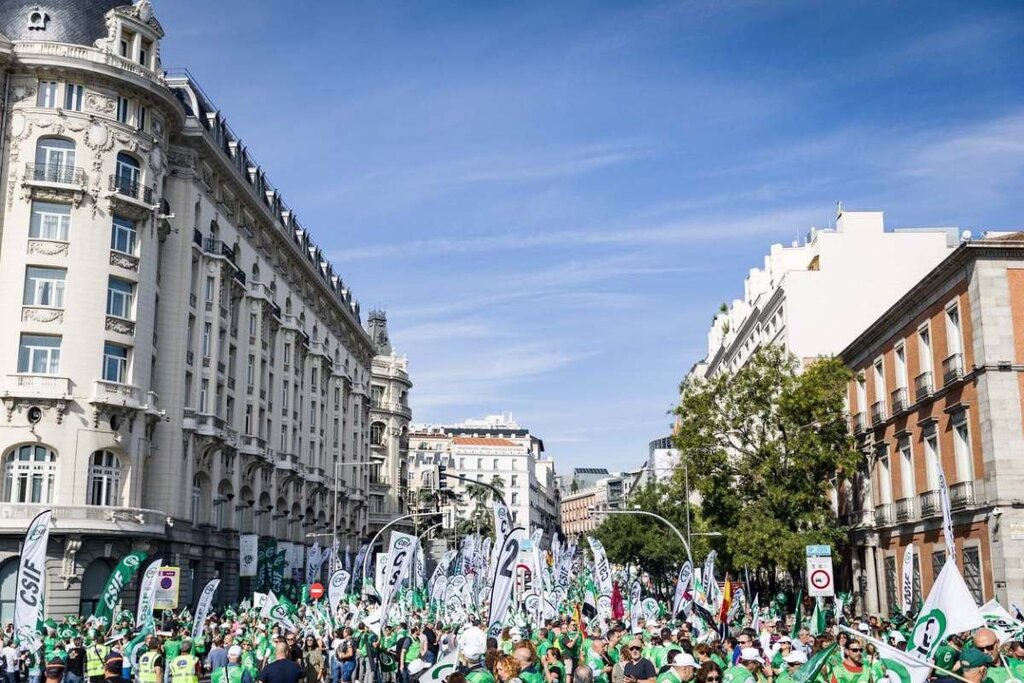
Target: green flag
column 817, row 625
column 798, row 620
column 119, row 578
column 809, row 671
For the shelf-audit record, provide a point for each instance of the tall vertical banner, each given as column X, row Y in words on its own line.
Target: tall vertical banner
column 357, row 566
column 336, row 589
column 710, row 585
column 947, row 515
column 682, row 586
column 400, row 552
column 248, row 554
column 28, row 601
column 203, row 608
column 502, row 528
column 119, row 578
column 602, row 577
column 907, row 584
column 504, row 579
column 312, row 562
column 379, row 571
column 147, row 594
column 636, row 611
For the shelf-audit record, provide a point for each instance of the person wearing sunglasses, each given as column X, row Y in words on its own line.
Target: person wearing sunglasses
column 791, row 662
column 974, row 665
column 852, row 669
column 1002, row 668
column 709, row 672
column 638, row 669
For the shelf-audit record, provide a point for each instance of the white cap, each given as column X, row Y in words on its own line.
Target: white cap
column 784, row 639
column 750, row 654
column 863, row 628
column 796, row 657
column 474, row 643
column 235, row 651
column 683, row 659
column 897, row 637
column 515, row 632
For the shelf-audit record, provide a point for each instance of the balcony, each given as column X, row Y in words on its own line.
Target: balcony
column 396, row 408
column 924, row 386
column 858, row 423
column 905, row 510
column 899, row 400
column 883, row 514
column 119, row 325
column 85, row 519
column 188, row 419
column 212, row 246
column 125, row 186
column 253, row 445
column 116, row 394
column 961, row 495
column 38, row 387
column 877, row 413
column 56, row 174
column 258, row 290
column 953, row 369
column 930, row 503
column 190, row 357
column 209, row 425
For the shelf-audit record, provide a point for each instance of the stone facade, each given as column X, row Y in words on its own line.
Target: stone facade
column 182, row 362
column 939, row 379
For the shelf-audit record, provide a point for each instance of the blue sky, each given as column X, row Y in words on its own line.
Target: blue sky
column 551, row 199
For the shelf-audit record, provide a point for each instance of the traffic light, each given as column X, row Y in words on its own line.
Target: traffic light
column 442, row 477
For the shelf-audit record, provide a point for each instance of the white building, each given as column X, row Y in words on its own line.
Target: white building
column 182, row 364
column 484, row 450
column 814, row 298
column 662, row 459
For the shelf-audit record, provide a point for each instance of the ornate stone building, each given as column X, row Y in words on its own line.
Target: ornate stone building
column 181, row 362
column 389, row 428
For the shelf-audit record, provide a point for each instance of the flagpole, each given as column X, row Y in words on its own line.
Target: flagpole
column 876, row 643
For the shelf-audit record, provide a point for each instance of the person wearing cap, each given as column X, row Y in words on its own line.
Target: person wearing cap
column 793, row 661
column 183, row 668
column 233, row 671
column 473, row 650
column 750, row 667
column 974, row 665
column 1002, row 668
column 95, row 655
column 852, row 669
column 682, row 668
column 75, row 671
column 113, row 668
column 54, row 671
column 151, row 663
column 784, row 648
column 638, row 669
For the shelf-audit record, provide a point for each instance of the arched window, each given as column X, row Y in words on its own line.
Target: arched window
column 128, row 174
column 225, row 505
column 104, row 479
column 55, row 160
column 255, row 272
column 265, row 509
column 8, row 582
column 288, row 305
column 29, row 472
column 377, row 430
column 281, row 512
column 200, row 494
column 93, row 581
column 247, row 499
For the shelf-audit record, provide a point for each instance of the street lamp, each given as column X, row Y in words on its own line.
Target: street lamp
column 337, row 477
column 373, row 541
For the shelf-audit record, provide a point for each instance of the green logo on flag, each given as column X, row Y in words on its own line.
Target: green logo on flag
column 928, row 633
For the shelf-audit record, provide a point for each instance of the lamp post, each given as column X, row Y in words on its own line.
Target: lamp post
column 337, row 477
column 373, row 542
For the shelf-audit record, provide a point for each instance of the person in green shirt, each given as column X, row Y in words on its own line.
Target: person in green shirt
column 598, row 660
column 570, row 643
column 529, row 668
column 779, row 658
column 748, row 669
column 792, row 661
column 1002, row 668
column 852, row 669
column 554, row 669
column 682, row 668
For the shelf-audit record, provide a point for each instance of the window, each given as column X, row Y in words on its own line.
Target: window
column 204, row 393
column 126, row 43
column 50, row 221
column 207, row 333
column 39, row 354
column 197, row 499
column 115, row 363
column 55, row 160
column 122, row 235
column 287, row 353
column 938, row 562
column 954, row 338
column 377, row 433
column 47, row 96
column 884, row 479
column 140, row 117
column 119, row 298
column 931, row 460
column 128, row 173
column 252, row 325
column 879, row 374
column 495, row 464
column 144, row 50
column 8, row 589
column 250, row 371
column 104, row 479
column 924, row 348
column 479, row 463
column 515, row 480
column 972, row 573
column 29, row 473
column 900, row 355
column 248, row 419
column 908, row 487
column 73, row 96
column 515, row 498
column 122, row 109
column 962, row 449
column 44, row 287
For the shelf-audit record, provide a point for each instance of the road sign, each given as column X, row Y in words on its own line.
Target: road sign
column 820, row 580
column 166, row 594
column 316, row 591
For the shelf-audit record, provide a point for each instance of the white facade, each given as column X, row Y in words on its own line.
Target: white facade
column 482, row 450
column 662, row 459
column 814, row 298
column 182, row 364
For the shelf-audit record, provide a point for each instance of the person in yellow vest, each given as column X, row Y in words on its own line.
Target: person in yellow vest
column 233, row 672
column 151, row 663
column 95, row 654
column 184, row 668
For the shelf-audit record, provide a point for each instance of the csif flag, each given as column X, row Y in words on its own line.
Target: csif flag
column 504, row 579
column 119, row 578
column 399, row 556
column 28, row 604
column 907, row 585
column 900, row 666
column 203, row 608
column 949, row 609
column 147, row 594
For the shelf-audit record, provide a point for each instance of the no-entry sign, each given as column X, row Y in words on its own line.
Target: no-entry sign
column 316, row 591
column 820, row 581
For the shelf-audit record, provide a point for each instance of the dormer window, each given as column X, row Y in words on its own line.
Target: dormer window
column 144, row 52
column 127, row 39
column 37, row 20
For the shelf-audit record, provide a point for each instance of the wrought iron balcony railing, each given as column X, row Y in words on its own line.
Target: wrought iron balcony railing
column 127, row 187
column 55, row 173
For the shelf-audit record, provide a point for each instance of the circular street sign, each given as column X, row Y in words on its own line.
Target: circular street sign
column 820, row 579
column 316, row 591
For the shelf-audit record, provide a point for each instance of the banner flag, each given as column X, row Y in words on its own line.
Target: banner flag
column 907, row 586
column 336, row 589
column 947, row 515
column 277, row 612
column 357, row 566
column 398, row 558
column 504, row 579
column 248, row 554
column 682, row 588
column 312, row 561
column 203, row 608
column 119, row 578
column 999, row 620
column 900, row 666
column 147, row 594
column 949, row 609
column 28, row 602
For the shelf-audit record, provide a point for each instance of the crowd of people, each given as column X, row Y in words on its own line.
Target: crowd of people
column 242, row 647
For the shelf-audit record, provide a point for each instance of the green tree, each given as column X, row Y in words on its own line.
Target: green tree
column 762, row 446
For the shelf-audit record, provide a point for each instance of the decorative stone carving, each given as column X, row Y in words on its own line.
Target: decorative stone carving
column 42, row 315
column 68, row 571
column 98, row 136
column 124, row 261
column 181, row 160
column 47, row 248
column 120, row 326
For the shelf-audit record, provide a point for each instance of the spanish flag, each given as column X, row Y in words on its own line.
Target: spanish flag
column 723, row 614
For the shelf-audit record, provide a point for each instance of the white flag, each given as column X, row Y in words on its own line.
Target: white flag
column 907, row 585
column 947, row 515
column 248, row 555
column 682, row 586
column 949, row 609
column 900, row 666
column 147, row 594
column 400, row 552
column 504, row 579
column 277, row 612
column 203, row 608
column 28, row 603
column 999, row 620
column 336, row 589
